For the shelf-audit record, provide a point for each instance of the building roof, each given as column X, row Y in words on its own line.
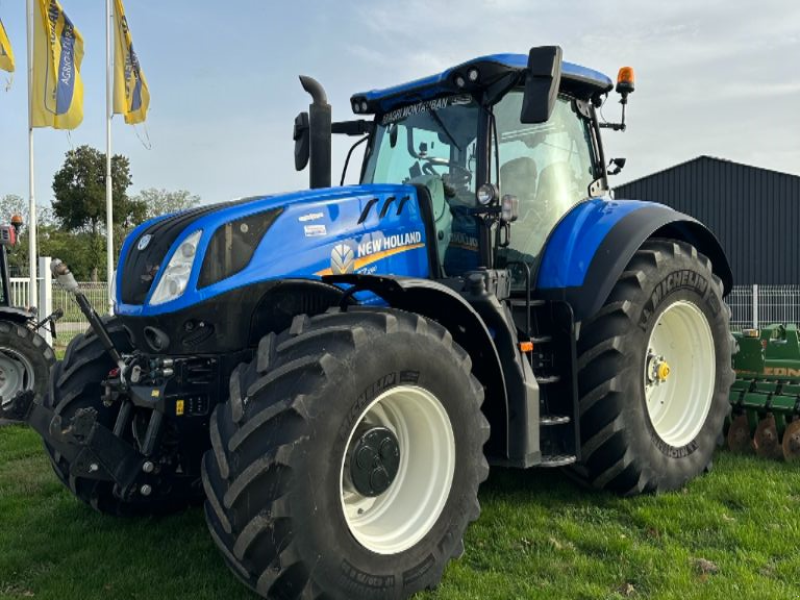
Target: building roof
column 754, row 212
column 575, row 77
column 706, row 157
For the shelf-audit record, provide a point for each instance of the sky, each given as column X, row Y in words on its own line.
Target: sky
column 713, row 77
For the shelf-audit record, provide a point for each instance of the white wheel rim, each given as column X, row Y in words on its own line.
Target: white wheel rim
column 679, row 403
column 16, row 373
column 405, row 513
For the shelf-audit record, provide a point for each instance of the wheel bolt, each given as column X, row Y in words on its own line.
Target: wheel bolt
column 148, row 467
column 145, row 490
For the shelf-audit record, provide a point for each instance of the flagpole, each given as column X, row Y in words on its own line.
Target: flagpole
column 33, row 299
column 109, row 192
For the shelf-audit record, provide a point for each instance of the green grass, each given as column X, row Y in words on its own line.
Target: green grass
column 539, row 537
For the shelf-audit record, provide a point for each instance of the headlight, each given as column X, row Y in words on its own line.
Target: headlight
column 487, row 194
column 175, row 277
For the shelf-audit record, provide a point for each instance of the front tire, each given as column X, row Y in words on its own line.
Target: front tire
column 346, row 463
column 654, row 372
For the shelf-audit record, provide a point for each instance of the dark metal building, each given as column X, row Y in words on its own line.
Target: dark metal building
column 754, row 212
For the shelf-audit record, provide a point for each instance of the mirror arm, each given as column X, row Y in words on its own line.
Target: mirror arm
column 353, row 128
column 621, row 125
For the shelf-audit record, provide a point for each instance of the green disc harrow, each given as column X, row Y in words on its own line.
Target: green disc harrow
column 766, row 395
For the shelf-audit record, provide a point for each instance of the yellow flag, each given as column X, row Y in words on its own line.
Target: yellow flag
column 131, row 95
column 6, row 54
column 57, row 97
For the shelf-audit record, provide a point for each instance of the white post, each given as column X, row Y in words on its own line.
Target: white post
column 32, row 196
column 755, row 306
column 109, row 192
column 45, row 295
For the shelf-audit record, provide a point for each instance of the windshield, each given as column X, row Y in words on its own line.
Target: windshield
column 430, row 140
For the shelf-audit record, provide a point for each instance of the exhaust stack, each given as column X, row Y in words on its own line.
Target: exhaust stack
column 319, row 133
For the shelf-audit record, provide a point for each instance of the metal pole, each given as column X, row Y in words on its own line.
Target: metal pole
column 755, row 306
column 46, row 298
column 32, row 287
column 109, row 192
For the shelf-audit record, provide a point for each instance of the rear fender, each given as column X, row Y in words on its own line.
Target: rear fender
column 592, row 245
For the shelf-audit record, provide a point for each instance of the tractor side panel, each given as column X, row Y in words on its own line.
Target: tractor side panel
column 591, row 246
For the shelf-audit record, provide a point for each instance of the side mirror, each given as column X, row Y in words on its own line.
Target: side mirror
column 542, row 82
column 301, row 141
column 618, row 164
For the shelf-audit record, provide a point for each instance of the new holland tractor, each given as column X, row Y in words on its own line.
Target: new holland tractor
column 335, row 370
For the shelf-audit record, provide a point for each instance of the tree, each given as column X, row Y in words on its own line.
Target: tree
column 80, row 195
column 11, row 204
column 161, row 202
column 80, row 190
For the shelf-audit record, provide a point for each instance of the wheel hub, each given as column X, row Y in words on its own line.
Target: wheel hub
column 658, row 369
column 15, row 373
column 374, row 461
column 397, row 469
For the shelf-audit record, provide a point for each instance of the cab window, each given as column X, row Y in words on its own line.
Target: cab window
column 548, row 166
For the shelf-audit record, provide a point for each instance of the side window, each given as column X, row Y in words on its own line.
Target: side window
column 548, row 166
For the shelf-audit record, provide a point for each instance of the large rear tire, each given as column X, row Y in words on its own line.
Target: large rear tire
column 654, row 373
column 76, row 383
column 346, row 463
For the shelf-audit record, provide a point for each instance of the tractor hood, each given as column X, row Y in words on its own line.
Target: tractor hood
column 175, row 261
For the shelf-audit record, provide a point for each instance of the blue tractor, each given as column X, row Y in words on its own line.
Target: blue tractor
column 334, row 370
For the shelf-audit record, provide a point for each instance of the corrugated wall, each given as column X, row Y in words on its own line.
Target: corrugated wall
column 754, row 212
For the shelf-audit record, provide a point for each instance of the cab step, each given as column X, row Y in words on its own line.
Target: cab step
column 523, row 302
column 547, row 420
column 557, row 460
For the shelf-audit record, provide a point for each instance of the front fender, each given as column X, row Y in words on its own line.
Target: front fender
column 593, row 244
column 16, row 314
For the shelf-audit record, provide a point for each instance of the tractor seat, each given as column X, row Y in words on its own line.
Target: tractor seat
column 518, row 177
column 556, row 190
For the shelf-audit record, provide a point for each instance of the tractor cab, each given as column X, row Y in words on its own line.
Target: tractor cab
column 547, row 167
column 499, row 139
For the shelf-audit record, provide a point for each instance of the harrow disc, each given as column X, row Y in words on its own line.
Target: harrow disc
column 766, row 440
column 791, row 441
column 739, row 435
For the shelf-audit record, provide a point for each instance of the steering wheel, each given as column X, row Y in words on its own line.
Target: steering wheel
column 458, row 174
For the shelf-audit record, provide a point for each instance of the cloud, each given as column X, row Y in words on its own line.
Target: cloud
column 704, row 69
